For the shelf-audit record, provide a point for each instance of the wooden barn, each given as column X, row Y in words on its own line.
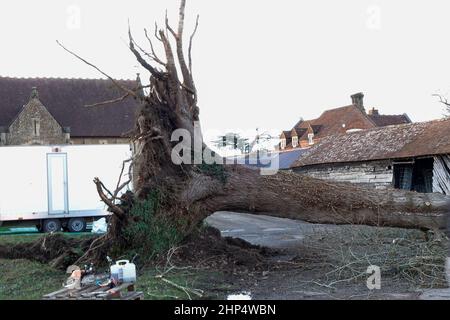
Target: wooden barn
column 412, row 156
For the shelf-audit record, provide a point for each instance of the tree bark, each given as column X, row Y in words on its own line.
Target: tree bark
column 290, row 195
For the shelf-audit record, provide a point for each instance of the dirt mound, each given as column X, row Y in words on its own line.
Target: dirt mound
column 54, row 249
column 208, row 249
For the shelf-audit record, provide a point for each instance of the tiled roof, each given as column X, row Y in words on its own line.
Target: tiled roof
column 286, row 134
column 65, row 99
column 391, row 142
column 382, row 120
column 335, row 121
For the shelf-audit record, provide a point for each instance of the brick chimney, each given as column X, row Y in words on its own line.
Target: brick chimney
column 373, row 112
column 358, row 100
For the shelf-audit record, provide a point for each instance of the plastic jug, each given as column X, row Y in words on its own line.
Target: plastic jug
column 123, row 271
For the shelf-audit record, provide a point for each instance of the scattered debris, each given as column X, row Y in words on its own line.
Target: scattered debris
column 240, row 296
column 99, row 226
column 86, row 284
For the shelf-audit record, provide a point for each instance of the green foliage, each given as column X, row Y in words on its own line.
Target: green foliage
column 214, row 170
column 149, row 232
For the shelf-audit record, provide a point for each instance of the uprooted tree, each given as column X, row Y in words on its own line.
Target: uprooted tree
column 185, row 194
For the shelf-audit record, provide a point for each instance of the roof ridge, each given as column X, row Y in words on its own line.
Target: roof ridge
column 364, row 114
column 337, row 108
column 389, row 115
column 412, row 124
column 63, row 78
column 325, row 111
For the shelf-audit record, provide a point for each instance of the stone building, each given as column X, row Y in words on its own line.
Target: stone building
column 336, row 121
column 412, row 156
column 48, row 111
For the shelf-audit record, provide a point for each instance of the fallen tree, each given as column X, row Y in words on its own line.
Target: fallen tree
column 184, row 193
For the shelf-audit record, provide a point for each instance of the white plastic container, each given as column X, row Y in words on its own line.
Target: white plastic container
column 123, row 271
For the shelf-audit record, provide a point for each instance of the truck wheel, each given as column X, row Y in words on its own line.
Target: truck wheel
column 77, row 225
column 51, row 225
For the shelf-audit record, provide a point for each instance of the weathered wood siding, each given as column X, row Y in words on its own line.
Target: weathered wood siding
column 441, row 174
column 373, row 174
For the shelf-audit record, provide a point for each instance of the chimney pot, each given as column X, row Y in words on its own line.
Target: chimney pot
column 358, row 100
column 373, row 112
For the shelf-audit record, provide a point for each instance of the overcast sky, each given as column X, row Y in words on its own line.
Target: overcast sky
column 257, row 63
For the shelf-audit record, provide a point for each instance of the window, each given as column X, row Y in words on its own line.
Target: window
column 294, row 141
column 283, row 143
column 311, row 138
column 416, row 175
column 403, row 176
column 36, row 127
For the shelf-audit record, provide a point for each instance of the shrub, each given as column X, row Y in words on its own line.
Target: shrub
column 149, row 232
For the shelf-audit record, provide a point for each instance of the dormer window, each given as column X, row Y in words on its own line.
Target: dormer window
column 310, row 138
column 283, row 143
column 294, row 141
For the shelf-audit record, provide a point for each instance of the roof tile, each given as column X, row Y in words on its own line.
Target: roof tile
column 391, row 142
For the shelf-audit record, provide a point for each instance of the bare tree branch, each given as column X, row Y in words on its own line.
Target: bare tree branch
column 168, row 27
column 116, row 83
column 171, row 67
column 181, row 18
column 442, row 99
column 156, row 32
column 190, row 44
column 154, row 56
column 108, row 101
column 116, row 192
column 141, row 60
column 114, row 208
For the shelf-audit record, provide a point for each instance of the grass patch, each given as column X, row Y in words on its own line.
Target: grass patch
column 27, row 280
column 13, row 239
column 210, row 283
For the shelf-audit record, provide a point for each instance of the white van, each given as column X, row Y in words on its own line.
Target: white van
column 52, row 188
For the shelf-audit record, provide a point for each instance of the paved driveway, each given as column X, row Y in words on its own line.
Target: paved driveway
column 263, row 230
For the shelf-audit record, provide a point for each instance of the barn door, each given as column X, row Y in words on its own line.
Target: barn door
column 57, row 183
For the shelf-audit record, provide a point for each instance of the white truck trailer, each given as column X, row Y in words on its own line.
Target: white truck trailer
column 51, row 187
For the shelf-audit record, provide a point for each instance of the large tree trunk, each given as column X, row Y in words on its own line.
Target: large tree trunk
column 196, row 191
column 290, row 195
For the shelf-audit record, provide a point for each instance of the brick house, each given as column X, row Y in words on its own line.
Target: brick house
column 46, row 111
column 335, row 121
column 413, row 156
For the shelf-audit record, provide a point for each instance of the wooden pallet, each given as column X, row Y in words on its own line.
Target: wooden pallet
column 93, row 292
